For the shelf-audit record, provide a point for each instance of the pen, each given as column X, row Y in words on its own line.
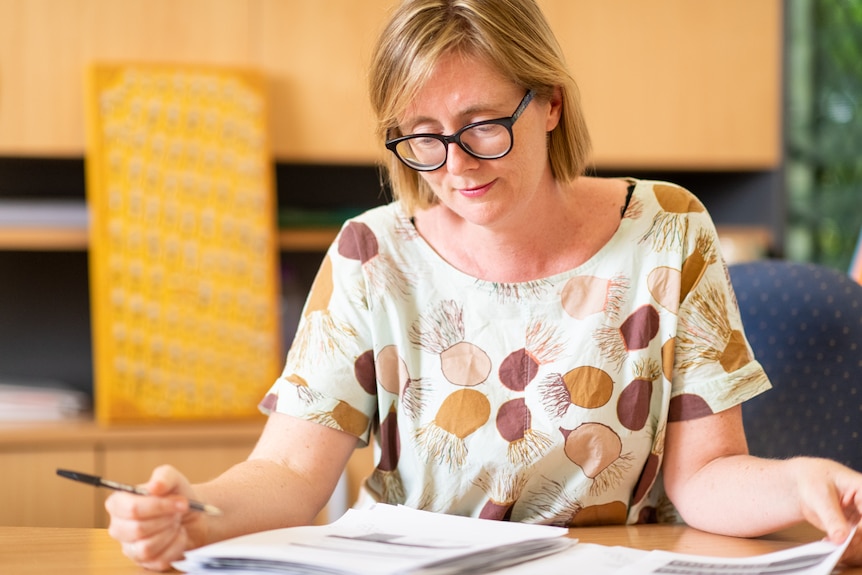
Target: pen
column 99, row 482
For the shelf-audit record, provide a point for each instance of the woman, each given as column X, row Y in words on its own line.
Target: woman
column 526, row 342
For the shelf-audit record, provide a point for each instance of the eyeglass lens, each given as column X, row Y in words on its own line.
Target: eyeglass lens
column 487, row 140
column 484, row 141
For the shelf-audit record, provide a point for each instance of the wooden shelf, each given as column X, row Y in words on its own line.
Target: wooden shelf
column 76, row 239
column 307, row 239
column 38, row 239
column 745, row 243
column 29, row 435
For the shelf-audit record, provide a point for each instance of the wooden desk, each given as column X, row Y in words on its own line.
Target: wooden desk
column 62, row 551
column 80, row 551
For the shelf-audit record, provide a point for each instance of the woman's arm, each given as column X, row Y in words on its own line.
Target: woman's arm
column 286, row 481
column 716, row 486
column 708, row 474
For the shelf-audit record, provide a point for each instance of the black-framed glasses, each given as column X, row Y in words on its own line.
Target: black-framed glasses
column 485, row 140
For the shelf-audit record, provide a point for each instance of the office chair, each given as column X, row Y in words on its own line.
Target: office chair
column 804, row 323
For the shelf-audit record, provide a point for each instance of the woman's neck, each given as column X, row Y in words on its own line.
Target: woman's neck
column 556, row 236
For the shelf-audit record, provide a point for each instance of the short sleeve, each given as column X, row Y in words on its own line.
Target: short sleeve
column 714, row 367
column 329, row 372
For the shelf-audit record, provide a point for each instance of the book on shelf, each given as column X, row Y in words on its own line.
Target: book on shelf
column 58, row 213
column 40, row 400
column 290, row 217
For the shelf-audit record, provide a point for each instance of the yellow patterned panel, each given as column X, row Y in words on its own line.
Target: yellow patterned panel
column 183, row 246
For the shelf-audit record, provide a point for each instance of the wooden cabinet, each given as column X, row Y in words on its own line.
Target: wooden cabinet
column 313, row 52
column 31, row 494
column 666, row 84
column 677, row 84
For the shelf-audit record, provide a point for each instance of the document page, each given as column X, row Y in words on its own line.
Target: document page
column 818, row 558
column 380, row 541
column 581, row 559
column 395, row 540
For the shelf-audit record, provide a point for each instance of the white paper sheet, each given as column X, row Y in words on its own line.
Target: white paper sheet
column 818, row 558
column 383, row 540
column 389, row 540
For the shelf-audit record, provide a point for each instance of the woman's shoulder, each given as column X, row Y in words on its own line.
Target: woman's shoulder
column 384, row 224
column 653, row 194
column 668, row 196
column 668, row 218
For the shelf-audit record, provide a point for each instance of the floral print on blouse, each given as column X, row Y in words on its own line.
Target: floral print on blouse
column 543, row 401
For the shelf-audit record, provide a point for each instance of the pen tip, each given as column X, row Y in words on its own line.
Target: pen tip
column 213, row 510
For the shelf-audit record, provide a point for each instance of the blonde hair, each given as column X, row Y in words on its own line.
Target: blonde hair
column 512, row 34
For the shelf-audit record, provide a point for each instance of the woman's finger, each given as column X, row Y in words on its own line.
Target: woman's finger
column 126, row 505
column 853, row 554
column 174, row 551
column 167, row 480
column 820, row 497
column 127, row 530
column 157, row 553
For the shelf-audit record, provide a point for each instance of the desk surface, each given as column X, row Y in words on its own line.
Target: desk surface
column 74, row 551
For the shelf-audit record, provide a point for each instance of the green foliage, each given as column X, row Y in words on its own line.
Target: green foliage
column 824, row 129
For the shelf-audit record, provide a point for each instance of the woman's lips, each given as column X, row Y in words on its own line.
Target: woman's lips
column 475, row 192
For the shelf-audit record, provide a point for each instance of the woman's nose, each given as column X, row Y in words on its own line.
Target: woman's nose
column 458, row 160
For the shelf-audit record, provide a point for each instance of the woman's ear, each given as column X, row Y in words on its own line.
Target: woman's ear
column 555, row 109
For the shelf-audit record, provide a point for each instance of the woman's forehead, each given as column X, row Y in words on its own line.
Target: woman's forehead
column 460, row 85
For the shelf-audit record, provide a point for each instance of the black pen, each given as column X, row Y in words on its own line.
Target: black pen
column 99, row 482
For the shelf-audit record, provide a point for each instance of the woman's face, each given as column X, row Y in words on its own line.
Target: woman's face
column 465, row 89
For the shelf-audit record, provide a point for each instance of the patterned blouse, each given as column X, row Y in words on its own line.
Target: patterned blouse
column 543, row 401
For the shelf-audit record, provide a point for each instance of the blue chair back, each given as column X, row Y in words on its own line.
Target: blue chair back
column 804, row 323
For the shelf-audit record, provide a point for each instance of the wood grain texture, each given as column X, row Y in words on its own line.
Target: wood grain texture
column 666, row 84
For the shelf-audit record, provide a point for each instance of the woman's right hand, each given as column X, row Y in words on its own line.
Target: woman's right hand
column 157, row 529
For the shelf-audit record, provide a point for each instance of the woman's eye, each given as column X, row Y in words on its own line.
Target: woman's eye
column 422, row 142
column 486, row 130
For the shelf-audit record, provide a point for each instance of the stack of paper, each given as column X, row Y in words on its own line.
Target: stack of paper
column 383, row 540
column 34, row 401
column 818, row 558
column 388, row 540
column 43, row 213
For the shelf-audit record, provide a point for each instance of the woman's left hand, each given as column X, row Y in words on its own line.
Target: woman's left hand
column 831, row 498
